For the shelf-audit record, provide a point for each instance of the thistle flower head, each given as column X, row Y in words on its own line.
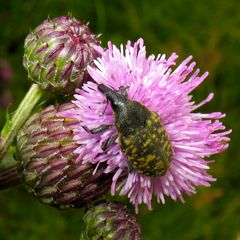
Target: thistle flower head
column 49, row 166
column 153, row 82
column 57, row 52
column 110, row 220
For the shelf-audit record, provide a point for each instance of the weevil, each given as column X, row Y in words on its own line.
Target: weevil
column 141, row 134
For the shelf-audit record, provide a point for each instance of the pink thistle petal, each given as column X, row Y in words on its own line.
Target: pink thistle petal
column 151, row 81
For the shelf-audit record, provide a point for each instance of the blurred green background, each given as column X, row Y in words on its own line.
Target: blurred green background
column 208, row 30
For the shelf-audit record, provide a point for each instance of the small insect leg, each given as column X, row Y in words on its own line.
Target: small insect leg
column 98, row 129
column 106, row 144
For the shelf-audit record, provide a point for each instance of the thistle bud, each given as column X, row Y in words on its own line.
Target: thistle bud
column 49, row 165
column 110, row 221
column 57, row 52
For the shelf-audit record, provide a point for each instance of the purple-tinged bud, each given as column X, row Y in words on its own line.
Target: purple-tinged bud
column 57, row 53
column 110, row 220
column 49, row 165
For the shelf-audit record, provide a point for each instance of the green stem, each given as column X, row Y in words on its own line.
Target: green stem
column 12, row 126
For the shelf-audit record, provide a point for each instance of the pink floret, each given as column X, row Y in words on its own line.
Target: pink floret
column 151, row 81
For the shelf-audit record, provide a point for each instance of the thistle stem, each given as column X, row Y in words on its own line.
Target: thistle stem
column 9, row 177
column 12, row 126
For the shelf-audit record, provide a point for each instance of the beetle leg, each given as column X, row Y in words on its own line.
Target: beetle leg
column 98, row 129
column 106, row 144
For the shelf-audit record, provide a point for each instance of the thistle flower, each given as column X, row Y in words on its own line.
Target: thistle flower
column 152, row 82
column 110, row 220
column 49, row 166
column 57, row 52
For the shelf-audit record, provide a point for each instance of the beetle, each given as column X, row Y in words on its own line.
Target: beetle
column 141, row 134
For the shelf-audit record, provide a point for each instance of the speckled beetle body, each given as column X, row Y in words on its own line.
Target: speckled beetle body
column 142, row 136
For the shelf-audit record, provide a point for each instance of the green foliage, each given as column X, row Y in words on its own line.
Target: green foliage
column 208, row 30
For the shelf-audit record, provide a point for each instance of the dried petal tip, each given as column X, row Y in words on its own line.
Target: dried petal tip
column 110, row 221
column 57, row 53
column 49, row 166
